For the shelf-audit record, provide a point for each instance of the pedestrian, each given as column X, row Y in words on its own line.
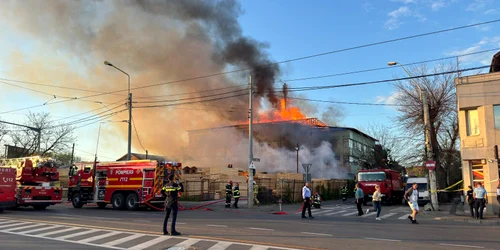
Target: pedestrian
column 171, row 193
column 411, row 196
column 229, row 193
column 306, row 196
column 480, row 199
column 255, row 193
column 343, row 191
column 470, row 201
column 498, row 197
column 376, row 199
column 236, row 194
column 359, row 199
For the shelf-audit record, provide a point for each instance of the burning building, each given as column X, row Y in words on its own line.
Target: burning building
column 279, row 143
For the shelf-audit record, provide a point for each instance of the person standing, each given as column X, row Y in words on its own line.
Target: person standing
column 343, row 192
column 359, row 199
column 411, row 196
column 171, row 193
column 229, row 193
column 236, row 194
column 480, row 198
column 470, row 201
column 255, row 193
column 306, row 196
column 376, row 199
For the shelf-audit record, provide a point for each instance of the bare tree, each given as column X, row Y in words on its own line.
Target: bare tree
column 55, row 138
column 441, row 98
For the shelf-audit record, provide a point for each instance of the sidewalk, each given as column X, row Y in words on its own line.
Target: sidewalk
column 447, row 213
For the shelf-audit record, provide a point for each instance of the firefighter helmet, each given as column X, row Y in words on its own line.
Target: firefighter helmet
column 230, row 182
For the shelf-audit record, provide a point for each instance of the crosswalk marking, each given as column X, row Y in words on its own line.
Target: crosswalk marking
column 76, row 234
column 220, row 246
column 149, row 243
column 17, row 228
column 352, row 213
column 14, row 224
column 369, row 214
column 58, row 231
column 324, row 211
column 259, row 248
column 338, row 212
column 403, row 217
column 122, row 240
column 98, row 237
column 40, row 229
column 186, row 244
column 387, row 215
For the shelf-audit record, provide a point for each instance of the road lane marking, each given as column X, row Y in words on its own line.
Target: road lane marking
column 13, row 224
column 387, row 215
column 404, row 217
column 319, row 234
column 320, row 212
column 58, row 231
column 352, row 213
column 76, row 234
column 41, row 229
column 122, row 240
column 17, row 228
column 215, row 225
column 259, row 248
column 455, row 245
column 369, row 214
column 220, row 246
column 383, row 239
column 262, row 229
column 149, row 243
column 338, row 212
column 186, row 244
column 98, row 237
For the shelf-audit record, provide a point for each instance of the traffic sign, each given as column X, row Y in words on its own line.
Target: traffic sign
column 252, row 166
column 256, row 159
column 306, row 167
column 431, row 165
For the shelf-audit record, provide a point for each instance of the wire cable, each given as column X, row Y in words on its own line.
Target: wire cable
column 137, row 134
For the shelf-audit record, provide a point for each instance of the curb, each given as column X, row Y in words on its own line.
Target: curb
column 471, row 221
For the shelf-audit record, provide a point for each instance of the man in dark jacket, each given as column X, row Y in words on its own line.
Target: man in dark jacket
column 171, row 193
column 470, row 201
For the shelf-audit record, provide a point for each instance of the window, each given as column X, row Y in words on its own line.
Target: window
column 346, row 159
column 346, row 143
column 477, row 172
column 496, row 113
column 334, row 143
column 371, row 176
column 87, row 169
column 472, row 120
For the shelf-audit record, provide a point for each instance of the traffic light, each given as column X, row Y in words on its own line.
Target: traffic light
column 253, row 171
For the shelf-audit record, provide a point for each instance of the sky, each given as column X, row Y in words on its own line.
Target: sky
column 291, row 29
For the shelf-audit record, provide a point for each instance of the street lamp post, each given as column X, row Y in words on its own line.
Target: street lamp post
column 129, row 148
column 428, row 142
column 297, row 149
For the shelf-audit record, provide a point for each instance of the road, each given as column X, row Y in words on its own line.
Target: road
column 334, row 227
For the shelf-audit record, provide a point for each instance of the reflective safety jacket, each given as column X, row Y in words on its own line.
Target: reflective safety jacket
column 171, row 193
column 255, row 189
column 316, row 199
column 236, row 192
column 343, row 190
column 229, row 189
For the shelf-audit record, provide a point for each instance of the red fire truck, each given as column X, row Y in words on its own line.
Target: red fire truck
column 7, row 188
column 124, row 184
column 390, row 182
column 37, row 181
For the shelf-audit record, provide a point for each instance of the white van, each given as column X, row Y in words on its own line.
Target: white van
column 423, row 188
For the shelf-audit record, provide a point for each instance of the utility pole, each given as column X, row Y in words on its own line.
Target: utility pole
column 430, row 154
column 250, row 142
column 73, row 154
column 297, row 149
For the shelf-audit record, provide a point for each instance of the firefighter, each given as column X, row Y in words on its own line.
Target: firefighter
column 316, row 200
column 236, row 194
column 229, row 193
column 255, row 193
column 171, row 193
column 343, row 191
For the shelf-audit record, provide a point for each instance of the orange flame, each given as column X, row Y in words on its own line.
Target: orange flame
column 285, row 112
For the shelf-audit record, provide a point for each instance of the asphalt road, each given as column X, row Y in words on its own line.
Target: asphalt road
column 242, row 229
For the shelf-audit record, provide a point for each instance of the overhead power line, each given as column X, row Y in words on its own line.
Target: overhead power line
column 340, row 102
column 137, row 134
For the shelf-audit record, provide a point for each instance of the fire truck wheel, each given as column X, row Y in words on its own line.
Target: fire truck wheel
column 76, row 201
column 101, row 204
column 118, row 201
column 132, row 202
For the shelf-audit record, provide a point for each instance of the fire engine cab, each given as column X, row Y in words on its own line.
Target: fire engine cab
column 123, row 184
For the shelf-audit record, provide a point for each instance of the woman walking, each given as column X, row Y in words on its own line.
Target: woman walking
column 376, row 199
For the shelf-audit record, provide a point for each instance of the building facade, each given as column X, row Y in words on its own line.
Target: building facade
column 478, row 99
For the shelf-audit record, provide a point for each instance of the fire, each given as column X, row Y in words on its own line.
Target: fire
column 285, row 112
